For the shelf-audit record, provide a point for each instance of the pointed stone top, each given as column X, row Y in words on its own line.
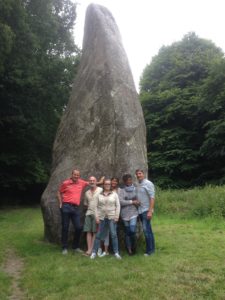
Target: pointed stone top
column 99, row 21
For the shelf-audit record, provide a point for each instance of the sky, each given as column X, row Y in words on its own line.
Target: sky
column 147, row 25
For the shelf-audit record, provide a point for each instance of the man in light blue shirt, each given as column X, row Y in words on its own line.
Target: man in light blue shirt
column 146, row 197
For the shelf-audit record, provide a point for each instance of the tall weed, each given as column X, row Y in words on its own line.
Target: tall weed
column 198, row 202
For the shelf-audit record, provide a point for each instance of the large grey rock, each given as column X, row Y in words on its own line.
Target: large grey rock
column 102, row 131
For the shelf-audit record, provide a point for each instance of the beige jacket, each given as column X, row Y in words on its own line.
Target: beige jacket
column 108, row 206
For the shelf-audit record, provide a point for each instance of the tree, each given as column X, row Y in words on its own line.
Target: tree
column 173, row 90
column 213, row 111
column 38, row 61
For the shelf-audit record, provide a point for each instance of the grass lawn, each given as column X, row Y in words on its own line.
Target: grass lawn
column 189, row 263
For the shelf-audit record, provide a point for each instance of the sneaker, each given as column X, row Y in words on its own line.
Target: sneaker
column 117, row 256
column 78, row 250
column 148, row 254
column 93, row 255
column 64, row 251
column 103, row 254
column 99, row 252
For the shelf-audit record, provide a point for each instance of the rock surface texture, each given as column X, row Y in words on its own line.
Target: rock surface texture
column 102, row 131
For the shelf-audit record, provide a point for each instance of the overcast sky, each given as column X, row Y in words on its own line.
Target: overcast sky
column 147, row 25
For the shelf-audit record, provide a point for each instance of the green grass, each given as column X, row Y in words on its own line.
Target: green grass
column 198, row 202
column 189, row 262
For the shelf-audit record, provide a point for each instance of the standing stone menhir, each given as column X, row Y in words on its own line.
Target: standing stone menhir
column 102, row 131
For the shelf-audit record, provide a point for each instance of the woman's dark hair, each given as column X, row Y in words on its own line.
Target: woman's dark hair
column 126, row 177
column 115, row 178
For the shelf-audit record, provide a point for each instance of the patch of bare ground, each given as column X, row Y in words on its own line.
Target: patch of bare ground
column 13, row 266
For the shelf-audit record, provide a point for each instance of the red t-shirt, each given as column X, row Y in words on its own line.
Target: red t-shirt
column 71, row 191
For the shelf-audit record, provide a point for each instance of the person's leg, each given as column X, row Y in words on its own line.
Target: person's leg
column 89, row 242
column 149, row 237
column 65, row 212
column 93, row 240
column 113, row 233
column 93, row 231
column 132, row 229
column 127, row 236
column 98, row 236
column 90, row 229
column 77, row 226
column 104, row 244
column 106, row 241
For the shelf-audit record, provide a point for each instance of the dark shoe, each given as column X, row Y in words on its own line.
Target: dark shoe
column 130, row 252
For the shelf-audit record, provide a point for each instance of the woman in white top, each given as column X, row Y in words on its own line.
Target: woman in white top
column 107, row 216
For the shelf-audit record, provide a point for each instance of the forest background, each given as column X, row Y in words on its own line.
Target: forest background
column 182, row 92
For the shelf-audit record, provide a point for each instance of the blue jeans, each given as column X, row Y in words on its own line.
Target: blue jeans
column 72, row 213
column 149, row 236
column 130, row 233
column 104, row 224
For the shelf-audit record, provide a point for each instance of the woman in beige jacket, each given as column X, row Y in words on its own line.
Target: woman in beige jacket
column 107, row 216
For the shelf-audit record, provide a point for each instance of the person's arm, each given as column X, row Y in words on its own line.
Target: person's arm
column 100, row 182
column 123, row 202
column 151, row 192
column 117, row 213
column 97, row 220
column 61, row 190
column 85, row 201
column 151, row 207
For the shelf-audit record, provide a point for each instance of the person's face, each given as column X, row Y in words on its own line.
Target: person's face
column 107, row 185
column 75, row 175
column 128, row 182
column 92, row 182
column 114, row 184
column 140, row 175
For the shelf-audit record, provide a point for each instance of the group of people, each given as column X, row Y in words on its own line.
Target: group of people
column 105, row 203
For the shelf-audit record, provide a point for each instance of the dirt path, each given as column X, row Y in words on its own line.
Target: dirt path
column 13, row 266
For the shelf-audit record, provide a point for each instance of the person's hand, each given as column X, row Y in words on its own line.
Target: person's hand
column 97, row 221
column 116, row 220
column 149, row 214
column 135, row 202
column 101, row 180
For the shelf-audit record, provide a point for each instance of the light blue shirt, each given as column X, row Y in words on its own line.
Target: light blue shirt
column 145, row 191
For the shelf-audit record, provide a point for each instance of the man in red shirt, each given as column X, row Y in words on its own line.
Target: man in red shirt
column 69, row 196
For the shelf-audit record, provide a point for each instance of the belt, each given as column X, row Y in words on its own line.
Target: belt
column 70, row 204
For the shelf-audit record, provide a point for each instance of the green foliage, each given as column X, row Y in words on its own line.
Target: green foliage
column 198, row 202
column 38, row 61
column 182, row 94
